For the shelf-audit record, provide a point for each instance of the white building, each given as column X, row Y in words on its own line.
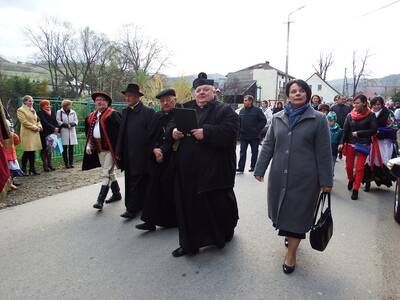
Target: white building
column 321, row 88
column 270, row 81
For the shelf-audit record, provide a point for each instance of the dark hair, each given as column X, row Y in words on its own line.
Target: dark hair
column 319, row 98
column 279, row 103
column 249, row 97
column 362, row 98
column 377, row 99
column 304, row 85
column 324, row 106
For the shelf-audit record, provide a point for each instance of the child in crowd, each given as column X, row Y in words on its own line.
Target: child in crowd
column 336, row 135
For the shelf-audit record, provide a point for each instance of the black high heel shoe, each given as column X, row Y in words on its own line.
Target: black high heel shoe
column 288, row 269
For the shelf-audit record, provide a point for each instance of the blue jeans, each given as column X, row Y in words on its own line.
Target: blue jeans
column 254, row 143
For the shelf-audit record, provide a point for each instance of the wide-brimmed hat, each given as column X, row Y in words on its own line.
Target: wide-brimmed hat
column 132, row 88
column 102, row 94
column 166, row 92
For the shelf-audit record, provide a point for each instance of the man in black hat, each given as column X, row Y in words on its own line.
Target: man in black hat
column 159, row 207
column 207, row 212
column 133, row 149
column 102, row 127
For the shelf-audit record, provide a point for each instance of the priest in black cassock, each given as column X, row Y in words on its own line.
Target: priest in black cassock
column 159, row 207
column 133, row 149
column 207, row 211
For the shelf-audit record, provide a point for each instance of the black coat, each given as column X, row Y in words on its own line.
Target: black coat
column 133, row 139
column 159, row 207
column 214, row 158
column 205, row 175
column 365, row 129
column 252, row 122
column 108, row 137
column 341, row 111
column 49, row 123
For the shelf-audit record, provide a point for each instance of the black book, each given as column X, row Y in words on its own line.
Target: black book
column 185, row 119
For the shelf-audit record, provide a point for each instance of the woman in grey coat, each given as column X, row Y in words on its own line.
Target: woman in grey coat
column 298, row 143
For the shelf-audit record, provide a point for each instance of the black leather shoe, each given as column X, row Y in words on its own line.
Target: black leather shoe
column 354, row 195
column 51, row 168
column 238, row 171
column 128, row 215
column 367, row 187
column 146, row 226
column 350, row 185
column 33, row 172
column 286, row 242
column 251, row 170
column 180, row 252
column 287, row 269
column 98, row 205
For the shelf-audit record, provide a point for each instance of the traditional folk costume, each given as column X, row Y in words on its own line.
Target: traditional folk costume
column 102, row 132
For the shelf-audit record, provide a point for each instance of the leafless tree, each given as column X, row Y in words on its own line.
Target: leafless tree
column 324, row 62
column 142, row 53
column 48, row 39
column 359, row 71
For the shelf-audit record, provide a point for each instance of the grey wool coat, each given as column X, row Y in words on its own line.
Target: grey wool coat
column 301, row 165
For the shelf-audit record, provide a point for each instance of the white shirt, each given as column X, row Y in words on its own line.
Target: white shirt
column 96, row 130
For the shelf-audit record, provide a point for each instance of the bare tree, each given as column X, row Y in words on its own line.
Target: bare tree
column 358, row 72
column 48, row 39
column 142, row 53
column 324, row 62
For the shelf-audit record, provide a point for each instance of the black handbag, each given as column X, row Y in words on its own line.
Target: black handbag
column 322, row 230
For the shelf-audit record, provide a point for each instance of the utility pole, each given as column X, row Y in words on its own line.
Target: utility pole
column 287, row 44
column 345, row 88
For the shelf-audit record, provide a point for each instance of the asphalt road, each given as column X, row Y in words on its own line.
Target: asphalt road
column 61, row 248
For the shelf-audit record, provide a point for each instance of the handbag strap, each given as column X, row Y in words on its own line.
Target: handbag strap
column 322, row 199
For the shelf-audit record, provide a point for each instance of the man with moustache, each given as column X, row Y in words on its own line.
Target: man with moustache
column 133, row 148
column 102, row 127
column 159, row 207
column 205, row 173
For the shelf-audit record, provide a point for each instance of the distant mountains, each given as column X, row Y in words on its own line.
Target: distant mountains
column 381, row 86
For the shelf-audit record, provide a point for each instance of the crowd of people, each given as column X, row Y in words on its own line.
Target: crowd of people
column 179, row 177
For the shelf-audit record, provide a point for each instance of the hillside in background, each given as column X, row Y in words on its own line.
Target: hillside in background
column 385, row 86
column 32, row 71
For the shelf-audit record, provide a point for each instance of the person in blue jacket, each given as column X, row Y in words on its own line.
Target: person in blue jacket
column 336, row 135
column 252, row 122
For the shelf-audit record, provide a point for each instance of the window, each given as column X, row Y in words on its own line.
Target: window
column 319, row 87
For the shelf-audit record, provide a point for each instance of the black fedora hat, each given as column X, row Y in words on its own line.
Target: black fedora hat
column 132, row 88
column 104, row 95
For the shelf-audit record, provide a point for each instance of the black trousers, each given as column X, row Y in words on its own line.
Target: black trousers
column 68, row 155
column 135, row 191
column 254, row 143
column 28, row 156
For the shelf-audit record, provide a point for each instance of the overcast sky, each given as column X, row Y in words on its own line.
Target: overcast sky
column 221, row 36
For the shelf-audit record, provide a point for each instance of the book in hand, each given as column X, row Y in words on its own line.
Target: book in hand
column 185, row 119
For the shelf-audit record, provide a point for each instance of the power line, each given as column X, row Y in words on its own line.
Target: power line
column 380, row 8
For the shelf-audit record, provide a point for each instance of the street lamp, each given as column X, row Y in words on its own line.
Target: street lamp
column 287, row 43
